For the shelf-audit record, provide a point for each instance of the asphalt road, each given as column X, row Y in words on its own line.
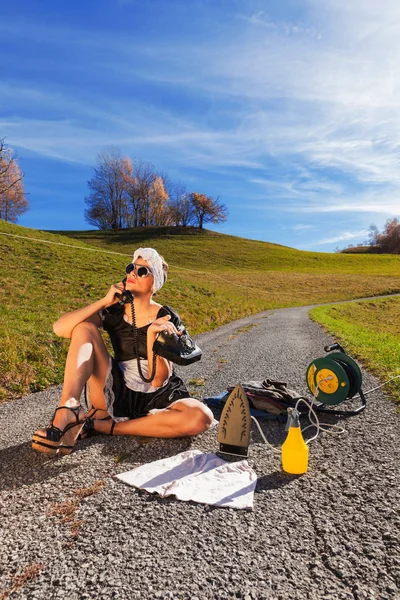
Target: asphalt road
column 331, row 533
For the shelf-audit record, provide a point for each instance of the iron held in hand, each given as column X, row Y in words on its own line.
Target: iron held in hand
column 234, row 424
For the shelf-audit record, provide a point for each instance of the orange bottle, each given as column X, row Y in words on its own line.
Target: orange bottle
column 294, row 448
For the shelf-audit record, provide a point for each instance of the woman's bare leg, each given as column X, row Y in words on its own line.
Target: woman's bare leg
column 184, row 418
column 87, row 359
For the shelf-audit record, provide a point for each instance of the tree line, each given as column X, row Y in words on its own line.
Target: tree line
column 388, row 240
column 123, row 193
column 13, row 202
column 126, row 193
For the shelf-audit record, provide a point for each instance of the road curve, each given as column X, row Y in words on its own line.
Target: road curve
column 331, row 534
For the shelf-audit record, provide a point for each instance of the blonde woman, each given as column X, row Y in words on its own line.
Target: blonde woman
column 128, row 393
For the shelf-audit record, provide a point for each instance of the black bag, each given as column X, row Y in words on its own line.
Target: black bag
column 180, row 349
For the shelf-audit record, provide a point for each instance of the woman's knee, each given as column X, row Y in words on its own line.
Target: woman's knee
column 199, row 419
column 87, row 338
column 86, row 328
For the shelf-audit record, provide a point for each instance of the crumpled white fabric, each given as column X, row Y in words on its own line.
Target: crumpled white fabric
column 193, row 475
column 155, row 263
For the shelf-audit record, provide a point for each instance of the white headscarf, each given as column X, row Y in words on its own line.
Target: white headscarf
column 154, row 261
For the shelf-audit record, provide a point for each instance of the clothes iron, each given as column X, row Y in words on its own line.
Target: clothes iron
column 234, row 424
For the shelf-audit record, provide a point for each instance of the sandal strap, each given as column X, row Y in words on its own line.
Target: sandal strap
column 76, row 410
column 88, row 426
column 53, row 433
column 89, row 430
column 91, row 414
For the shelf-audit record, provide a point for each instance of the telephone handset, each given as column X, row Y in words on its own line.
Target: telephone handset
column 126, row 295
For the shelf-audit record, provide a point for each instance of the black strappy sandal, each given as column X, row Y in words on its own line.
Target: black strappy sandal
column 88, row 429
column 59, row 441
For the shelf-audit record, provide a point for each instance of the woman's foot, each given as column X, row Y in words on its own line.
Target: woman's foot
column 61, row 435
column 94, row 414
column 62, row 418
column 105, row 426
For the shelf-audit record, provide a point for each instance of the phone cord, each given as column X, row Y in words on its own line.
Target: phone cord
column 136, row 346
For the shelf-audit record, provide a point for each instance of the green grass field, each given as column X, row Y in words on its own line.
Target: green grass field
column 213, row 279
column 370, row 331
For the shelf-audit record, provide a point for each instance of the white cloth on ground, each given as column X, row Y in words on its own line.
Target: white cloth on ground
column 193, row 475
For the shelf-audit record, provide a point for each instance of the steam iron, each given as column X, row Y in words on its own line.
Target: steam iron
column 234, row 425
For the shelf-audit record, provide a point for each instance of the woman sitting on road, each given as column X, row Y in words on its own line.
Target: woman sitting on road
column 122, row 403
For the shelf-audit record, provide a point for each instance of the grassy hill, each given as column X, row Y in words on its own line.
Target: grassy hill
column 213, row 279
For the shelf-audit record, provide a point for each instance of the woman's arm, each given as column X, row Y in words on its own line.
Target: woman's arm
column 163, row 366
column 64, row 326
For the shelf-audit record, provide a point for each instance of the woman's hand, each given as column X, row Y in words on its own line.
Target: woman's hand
column 110, row 298
column 162, row 324
column 163, row 366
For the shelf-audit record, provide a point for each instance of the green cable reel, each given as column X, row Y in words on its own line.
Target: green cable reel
column 335, row 378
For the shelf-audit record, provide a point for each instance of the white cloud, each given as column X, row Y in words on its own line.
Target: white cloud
column 343, row 237
column 301, row 227
column 367, row 206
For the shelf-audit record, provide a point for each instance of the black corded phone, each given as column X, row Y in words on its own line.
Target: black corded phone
column 180, row 349
column 126, row 295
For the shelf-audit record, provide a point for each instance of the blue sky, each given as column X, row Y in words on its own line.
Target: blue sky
column 288, row 111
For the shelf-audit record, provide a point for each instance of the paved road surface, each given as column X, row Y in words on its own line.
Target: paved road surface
column 332, row 533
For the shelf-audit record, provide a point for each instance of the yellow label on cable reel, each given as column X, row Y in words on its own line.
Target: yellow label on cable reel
column 327, row 381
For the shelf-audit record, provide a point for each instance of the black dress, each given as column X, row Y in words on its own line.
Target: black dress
column 123, row 402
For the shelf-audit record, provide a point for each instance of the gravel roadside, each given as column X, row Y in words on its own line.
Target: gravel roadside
column 332, row 533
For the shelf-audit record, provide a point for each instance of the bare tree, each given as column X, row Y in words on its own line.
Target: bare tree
column 207, row 210
column 126, row 194
column 138, row 186
column 180, row 206
column 13, row 202
column 372, row 235
column 98, row 215
column 389, row 240
column 148, row 195
column 158, row 208
column 107, row 201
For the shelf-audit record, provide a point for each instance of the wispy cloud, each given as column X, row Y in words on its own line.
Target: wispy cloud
column 301, row 227
column 344, row 237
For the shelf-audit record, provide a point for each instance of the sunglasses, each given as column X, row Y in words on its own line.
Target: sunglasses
column 141, row 270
